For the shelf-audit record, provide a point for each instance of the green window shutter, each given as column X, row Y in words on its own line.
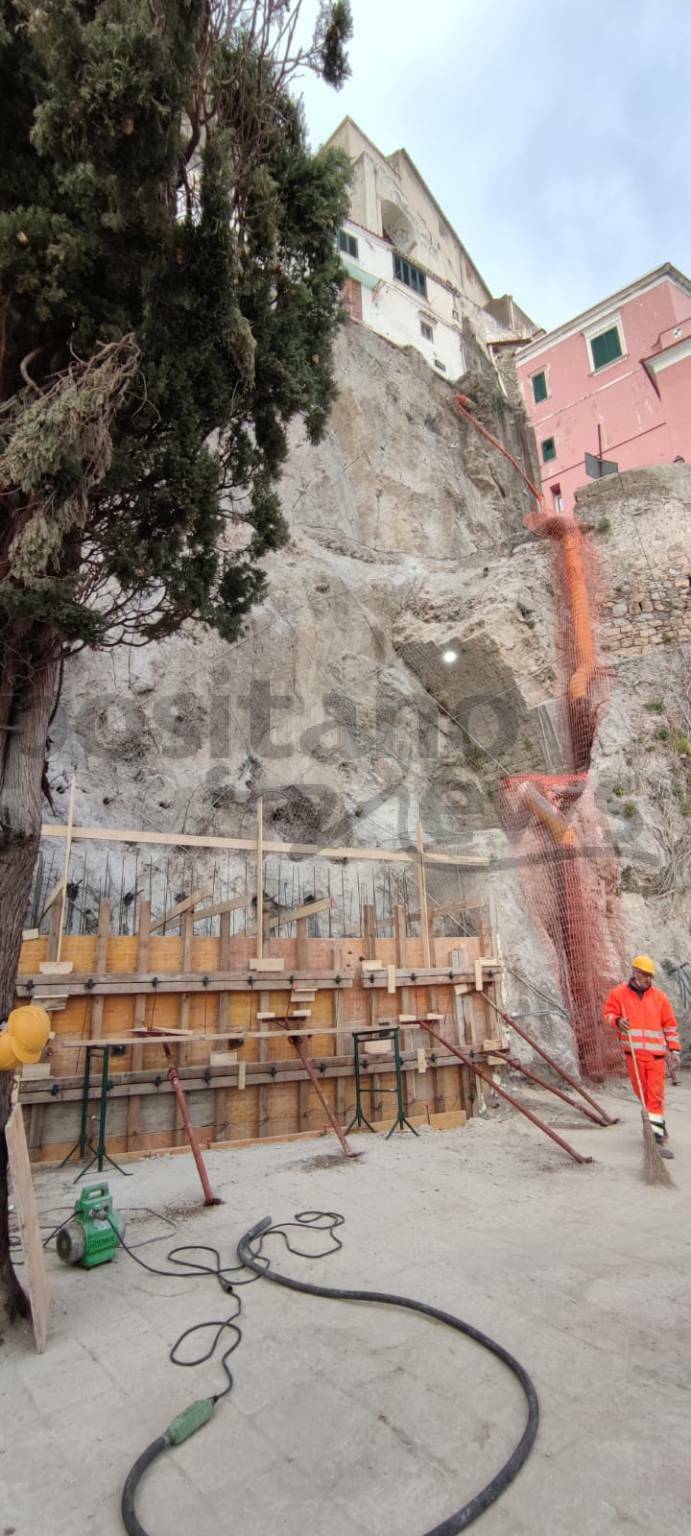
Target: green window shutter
column 539, row 387
column 606, row 348
column 549, row 450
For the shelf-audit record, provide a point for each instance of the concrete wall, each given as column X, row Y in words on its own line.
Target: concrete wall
column 640, row 423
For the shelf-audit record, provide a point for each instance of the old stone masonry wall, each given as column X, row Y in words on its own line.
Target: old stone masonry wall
column 642, row 525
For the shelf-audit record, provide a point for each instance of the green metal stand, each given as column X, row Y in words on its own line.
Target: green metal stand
column 360, row 1037
column 84, row 1145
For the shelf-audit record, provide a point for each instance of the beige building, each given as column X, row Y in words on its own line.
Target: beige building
column 409, row 276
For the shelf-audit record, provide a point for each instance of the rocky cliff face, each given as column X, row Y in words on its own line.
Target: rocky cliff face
column 401, row 664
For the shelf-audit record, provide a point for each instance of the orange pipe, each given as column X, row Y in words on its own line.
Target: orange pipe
column 543, row 810
column 581, row 618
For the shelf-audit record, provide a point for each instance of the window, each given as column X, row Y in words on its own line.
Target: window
column 539, row 383
column 557, row 498
column 427, row 331
column 549, row 450
column 348, row 244
column 405, row 272
column 606, row 347
column 441, row 366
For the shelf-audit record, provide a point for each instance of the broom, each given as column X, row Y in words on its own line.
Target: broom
column 655, row 1170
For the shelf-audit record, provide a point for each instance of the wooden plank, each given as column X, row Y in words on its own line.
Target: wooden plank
column 66, row 871
column 30, row 933
column 260, row 877
column 24, row 1198
column 184, row 1017
column 222, row 1101
column 424, row 907
column 302, row 945
column 248, row 844
column 264, row 965
column 220, row 908
column 180, row 908
column 167, row 983
column 98, row 1002
column 337, row 1018
column 137, row 1058
column 309, row 909
column 52, row 898
column 53, row 936
column 263, row 1101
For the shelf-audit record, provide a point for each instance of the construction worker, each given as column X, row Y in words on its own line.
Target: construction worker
column 644, row 1017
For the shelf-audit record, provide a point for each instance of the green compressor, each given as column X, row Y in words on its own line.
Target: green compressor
column 93, row 1233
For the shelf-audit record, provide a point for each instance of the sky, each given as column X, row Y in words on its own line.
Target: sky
column 555, row 136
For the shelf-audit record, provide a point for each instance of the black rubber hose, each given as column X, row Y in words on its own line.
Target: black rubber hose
column 130, row 1518
column 476, row 1506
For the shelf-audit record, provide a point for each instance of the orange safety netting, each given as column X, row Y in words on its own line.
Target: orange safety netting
column 561, row 840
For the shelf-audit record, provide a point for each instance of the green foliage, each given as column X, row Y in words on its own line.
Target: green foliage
column 662, row 734
column 171, row 295
column 629, row 809
column 655, row 707
column 603, row 525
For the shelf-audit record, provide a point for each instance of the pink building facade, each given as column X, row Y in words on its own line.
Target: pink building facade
column 613, row 383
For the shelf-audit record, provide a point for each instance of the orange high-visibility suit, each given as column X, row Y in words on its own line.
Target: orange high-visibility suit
column 653, row 1032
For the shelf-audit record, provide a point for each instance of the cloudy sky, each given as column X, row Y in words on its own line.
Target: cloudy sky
column 554, row 133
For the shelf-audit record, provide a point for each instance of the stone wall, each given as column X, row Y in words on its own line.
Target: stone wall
column 640, row 521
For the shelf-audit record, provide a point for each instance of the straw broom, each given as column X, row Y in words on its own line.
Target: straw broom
column 654, row 1170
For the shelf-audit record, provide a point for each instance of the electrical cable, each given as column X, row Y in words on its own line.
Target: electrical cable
column 253, row 1260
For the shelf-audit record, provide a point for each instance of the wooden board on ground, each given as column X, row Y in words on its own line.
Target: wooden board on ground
column 29, row 1230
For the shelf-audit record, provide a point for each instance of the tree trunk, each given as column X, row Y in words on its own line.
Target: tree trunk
column 22, row 756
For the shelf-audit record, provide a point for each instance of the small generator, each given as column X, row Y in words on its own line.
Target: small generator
column 93, row 1233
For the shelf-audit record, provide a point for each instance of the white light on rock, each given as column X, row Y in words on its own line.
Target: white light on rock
column 449, row 657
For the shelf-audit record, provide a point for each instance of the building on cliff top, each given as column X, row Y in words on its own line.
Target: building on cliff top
column 410, row 278
column 612, row 386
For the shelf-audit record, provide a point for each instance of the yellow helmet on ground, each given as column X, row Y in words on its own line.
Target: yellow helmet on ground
column 644, row 963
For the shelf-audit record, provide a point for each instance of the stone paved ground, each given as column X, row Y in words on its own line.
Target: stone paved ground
column 348, row 1420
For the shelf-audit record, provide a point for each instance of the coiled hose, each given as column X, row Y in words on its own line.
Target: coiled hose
column 251, row 1257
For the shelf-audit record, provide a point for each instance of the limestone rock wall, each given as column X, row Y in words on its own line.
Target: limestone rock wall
column 338, row 706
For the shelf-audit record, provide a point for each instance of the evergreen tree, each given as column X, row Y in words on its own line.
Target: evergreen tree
column 169, row 297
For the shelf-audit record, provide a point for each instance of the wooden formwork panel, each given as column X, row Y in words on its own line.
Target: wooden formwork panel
column 276, row 1107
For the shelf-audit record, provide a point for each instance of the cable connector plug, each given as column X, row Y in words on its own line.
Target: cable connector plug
column 190, row 1420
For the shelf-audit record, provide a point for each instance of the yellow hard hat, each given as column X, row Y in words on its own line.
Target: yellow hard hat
column 644, row 963
column 28, row 1029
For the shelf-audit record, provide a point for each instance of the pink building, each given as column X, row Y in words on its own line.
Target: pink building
column 614, row 383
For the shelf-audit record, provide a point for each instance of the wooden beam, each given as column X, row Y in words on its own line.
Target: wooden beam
column 260, row 878
column 66, row 871
column 184, row 1018
column 56, row 891
column 220, row 908
column 28, row 1223
column 120, row 984
column 180, row 908
column 137, row 1058
column 424, row 910
column 310, row 909
column 248, row 845
column 98, row 1003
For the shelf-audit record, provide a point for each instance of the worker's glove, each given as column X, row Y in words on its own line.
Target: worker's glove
column 624, row 1025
